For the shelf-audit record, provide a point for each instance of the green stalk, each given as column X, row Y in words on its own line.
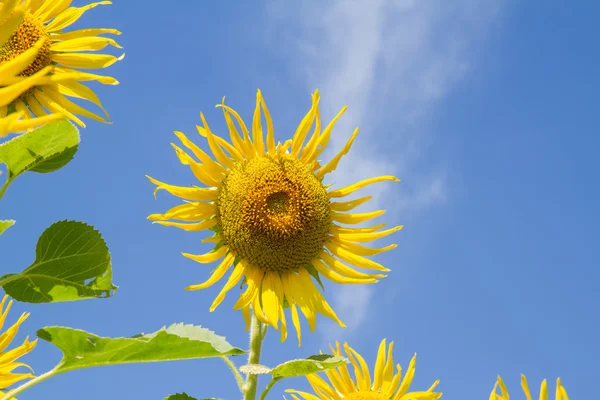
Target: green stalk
column 257, row 334
column 12, row 393
column 269, row 386
column 238, row 378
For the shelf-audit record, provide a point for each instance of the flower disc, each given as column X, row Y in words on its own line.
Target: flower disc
column 27, row 34
column 274, row 212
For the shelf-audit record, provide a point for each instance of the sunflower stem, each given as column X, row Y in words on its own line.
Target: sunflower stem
column 10, row 394
column 236, row 373
column 269, row 386
column 257, row 334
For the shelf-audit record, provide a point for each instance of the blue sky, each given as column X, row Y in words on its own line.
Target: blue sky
column 484, row 109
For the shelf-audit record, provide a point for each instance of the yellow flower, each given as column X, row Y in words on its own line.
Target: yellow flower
column 274, row 219
column 45, row 21
column 385, row 385
column 561, row 393
column 8, row 358
column 11, row 85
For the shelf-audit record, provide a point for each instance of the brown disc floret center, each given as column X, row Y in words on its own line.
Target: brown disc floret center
column 273, row 212
column 26, row 35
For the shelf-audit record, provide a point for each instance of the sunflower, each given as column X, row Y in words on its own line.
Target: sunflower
column 8, row 358
column 45, row 20
column 274, row 220
column 11, row 85
column 385, row 385
column 561, row 392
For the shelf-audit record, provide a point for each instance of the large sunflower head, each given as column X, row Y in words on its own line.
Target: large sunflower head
column 42, row 24
column 275, row 222
column 560, row 394
column 8, row 359
column 383, row 385
column 11, row 84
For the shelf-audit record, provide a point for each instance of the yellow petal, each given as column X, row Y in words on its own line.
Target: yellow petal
column 270, row 130
column 233, row 280
column 525, row 387
column 245, row 148
column 312, row 144
column 232, row 150
column 9, row 25
column 344, row 270
column 324, row 138
column 214, row 147
column 200, row 171
column 355, row 218
column 10, row 69
column 209, row 257
column 359, row 185
column 71, row 15
column 77, row 90
column 50, row 9
column 332, row 165
column 257, row 136
column 408, row 378
column 365, row 237
column 271, row 297
column 58, row 98
column 343, row 229
column 304, row 127
column 379, row 369
column 215, row 168
column 86, row 61
column 337, row 278
column 189, row 193
column 544, row 390
column 89, row 43
column 83, row 33
column 354, row 259
column 62, row 73
column 349, row 205
column 190, row 211
column 217, row 275
column 362, row 250
column 193, row 227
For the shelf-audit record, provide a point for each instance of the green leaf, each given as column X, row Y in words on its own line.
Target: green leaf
column 307, row 366
column 177, row 342
column 72, row 263
column 180, row 396
column 42, row 150
column 185, row 396
column 4, row 225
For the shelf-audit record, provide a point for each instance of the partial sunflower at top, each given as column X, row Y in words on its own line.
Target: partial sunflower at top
column 46, row 20
column 560, row 393
column 384, row 384
column 275, row 221
column 11, row 84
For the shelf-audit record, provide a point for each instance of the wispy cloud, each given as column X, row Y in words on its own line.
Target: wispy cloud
column 391, row 61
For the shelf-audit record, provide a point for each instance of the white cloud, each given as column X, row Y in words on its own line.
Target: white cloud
column 352, row 303
column 391, row 61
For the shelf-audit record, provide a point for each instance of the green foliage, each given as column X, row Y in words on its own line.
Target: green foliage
column 180, row 396
column 185, row 396
column 4, row 225
column 42, row 150
column 177, row 342
column 315, row 274
column 310, row 365
column 72, row 263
